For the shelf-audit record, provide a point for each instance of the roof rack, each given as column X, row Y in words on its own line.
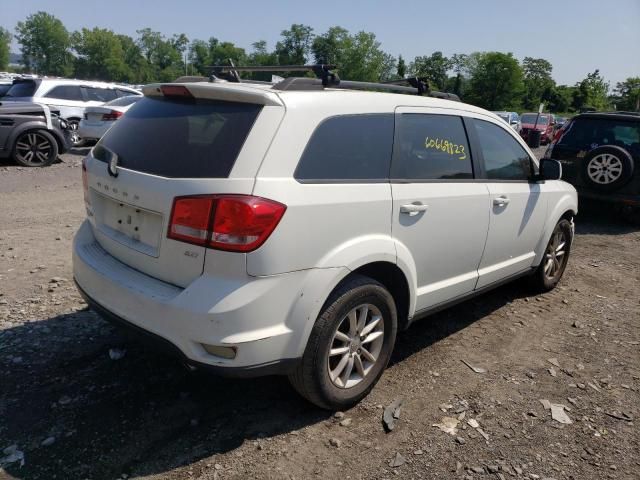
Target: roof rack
column 325, row 78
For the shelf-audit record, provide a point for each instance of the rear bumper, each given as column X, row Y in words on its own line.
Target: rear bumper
column 267, row 319
column 277, row 367
column 92, row 131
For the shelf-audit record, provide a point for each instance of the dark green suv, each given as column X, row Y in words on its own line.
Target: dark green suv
column 600, row 156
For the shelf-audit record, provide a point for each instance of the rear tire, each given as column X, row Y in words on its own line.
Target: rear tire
column 357, row 303
column 554, row 260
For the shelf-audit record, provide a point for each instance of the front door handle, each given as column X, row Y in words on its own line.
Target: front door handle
column 413, row 209
column 501, row 201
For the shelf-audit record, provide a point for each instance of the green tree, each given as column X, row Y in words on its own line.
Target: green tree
column 434, row 68
column 162, row 55
column 45, row 44
column 139, row 69
column 401, row 68
column 99, row 55
column 627, row 94
column 358, row 57
column 591, row 92
column 221, row 52
column 561, row 98
column 295, row 45
column 538, row 84
column 458, row 84
column 5, row 44
column 199, row 57
column 496, row 80
column 260, row 55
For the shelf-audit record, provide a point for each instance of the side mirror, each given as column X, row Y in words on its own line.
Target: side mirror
column 550, row 169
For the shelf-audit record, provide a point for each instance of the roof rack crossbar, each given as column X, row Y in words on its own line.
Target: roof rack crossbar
column 326, row 77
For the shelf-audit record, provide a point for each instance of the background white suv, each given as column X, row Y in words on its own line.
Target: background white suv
column 70, row 97
column 293, row 229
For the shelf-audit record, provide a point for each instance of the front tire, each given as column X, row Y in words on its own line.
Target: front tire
column 349, row 346
column 555, row 258
column 35, row 148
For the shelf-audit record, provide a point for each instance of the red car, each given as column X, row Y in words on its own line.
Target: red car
column 544, row 124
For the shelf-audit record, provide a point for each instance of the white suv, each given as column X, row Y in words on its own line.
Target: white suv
column 293, row 229
column 70, row 97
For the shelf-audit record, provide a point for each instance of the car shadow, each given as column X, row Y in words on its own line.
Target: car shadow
column 601, row 218
column 144, row 413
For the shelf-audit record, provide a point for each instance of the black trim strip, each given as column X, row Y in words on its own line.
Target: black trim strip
column 425, row 312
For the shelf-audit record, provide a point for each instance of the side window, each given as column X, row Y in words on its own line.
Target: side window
column 101, row 94
column 504, row 157
column 65, row 92
column 348, row 147
column 431, row 147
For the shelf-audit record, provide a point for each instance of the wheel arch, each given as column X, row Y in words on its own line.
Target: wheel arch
column 565, row 208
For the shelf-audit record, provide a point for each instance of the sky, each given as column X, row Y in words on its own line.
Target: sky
column 576, row 36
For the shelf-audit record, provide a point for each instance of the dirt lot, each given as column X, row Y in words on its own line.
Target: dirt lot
column 68, row 410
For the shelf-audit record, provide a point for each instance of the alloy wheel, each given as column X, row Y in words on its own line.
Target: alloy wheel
column 33, row 149
column 356, row 346
column 604, row 169
column 74, row 137
column 555, row 255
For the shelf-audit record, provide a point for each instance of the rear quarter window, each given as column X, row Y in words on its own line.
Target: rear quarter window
column 179, row 138
column 348, row 148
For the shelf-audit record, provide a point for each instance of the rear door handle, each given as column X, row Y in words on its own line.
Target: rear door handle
column 501, row 201
column 413, row 209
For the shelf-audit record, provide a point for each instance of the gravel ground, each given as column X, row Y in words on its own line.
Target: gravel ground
column 78, row 399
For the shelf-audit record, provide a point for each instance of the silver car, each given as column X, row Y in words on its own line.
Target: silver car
column 97, row 120
column 512, row 119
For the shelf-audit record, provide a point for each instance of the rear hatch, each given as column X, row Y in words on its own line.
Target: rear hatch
column 168, row 146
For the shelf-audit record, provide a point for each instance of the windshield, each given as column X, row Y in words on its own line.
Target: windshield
column 504, row 116
column 531, row 118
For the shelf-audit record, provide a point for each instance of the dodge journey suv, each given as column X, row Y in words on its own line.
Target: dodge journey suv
column 295, row 228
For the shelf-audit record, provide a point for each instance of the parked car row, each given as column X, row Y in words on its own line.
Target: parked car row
column 70, row 97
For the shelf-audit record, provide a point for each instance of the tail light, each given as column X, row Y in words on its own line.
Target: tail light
column 236, row 223
column 175, row 91
column 112, row 115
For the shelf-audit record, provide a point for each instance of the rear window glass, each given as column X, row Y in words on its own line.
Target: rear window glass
column 586, row 133
column 349, row 147
column 179, row 138
column 22, row 89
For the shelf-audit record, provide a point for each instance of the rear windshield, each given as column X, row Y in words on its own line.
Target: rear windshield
column 179, row 138
column 531, row 118
column 22, row 89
